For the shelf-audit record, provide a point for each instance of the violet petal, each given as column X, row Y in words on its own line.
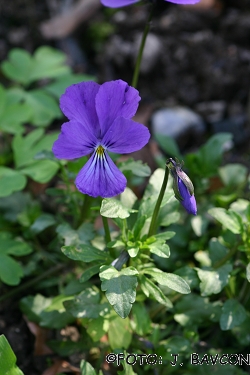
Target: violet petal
column 183, row 2
column 74, row 141
column 115, row 99
column 125, row 136
column 188, row 202
column 78, row 103
column 100, row 177
column 117, row 3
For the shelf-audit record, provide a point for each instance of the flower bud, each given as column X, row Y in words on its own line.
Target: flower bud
column 182, row 186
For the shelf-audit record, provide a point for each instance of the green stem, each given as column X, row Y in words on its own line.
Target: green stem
column 140, row 53
column 85, row 208
column 106, row 229
column 32, row 282
column 153, row 224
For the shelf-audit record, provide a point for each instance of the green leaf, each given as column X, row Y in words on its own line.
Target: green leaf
column 97, row 328
column 44, row 107
column 120, row 288
column 14, row 247
column 46, row 63
column 13, row 112
column 229, row 219
column 210, row 155
column 233, row 175
column 141, row 322
column 127, row 368
column 169, row 145
column 86, row 368
column 48, row 312
column 85, row 304
column 233, row 314
column 216, row 250
column 186, row 310
column 41, row 171
column 152, row 290
column 119, row 333
column 8, row 359
column 18, row 66
column 114, row 209
column 25, row 148
column 58, row 87
column 32, row 306
column 128, row 198
column 89, row 272
column 85, row 253
column 160, row 248
column 10, row 181
column 170, row 280
column 213, row 281
column 42, row 222
column 10, row 271
column 136, row 167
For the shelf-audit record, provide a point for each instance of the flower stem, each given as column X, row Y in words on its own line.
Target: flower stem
column 106, row 229
column 153, row 224
column 140, row 53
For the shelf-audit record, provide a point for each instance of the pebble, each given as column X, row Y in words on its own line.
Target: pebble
column 180, row 123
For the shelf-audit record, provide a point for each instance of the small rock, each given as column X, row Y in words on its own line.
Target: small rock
column 180, row 123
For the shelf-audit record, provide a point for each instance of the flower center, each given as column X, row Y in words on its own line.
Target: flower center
column 100, row 150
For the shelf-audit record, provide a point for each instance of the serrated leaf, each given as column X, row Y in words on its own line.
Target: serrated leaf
column 170, row 280
column 120, row 288
column 8, row 358
column 114, row 209
column 85, row 304
column 233, row 314
column 229, row 219
column 213, row 281
column 150, row 289
column 10, row 181
column 85, row 253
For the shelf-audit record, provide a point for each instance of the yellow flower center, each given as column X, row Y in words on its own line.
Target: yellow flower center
column 100, row 150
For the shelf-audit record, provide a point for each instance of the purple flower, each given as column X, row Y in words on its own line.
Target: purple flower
column 100, row 121
column 188, row 201
column 122, row 3
column 182, row 186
